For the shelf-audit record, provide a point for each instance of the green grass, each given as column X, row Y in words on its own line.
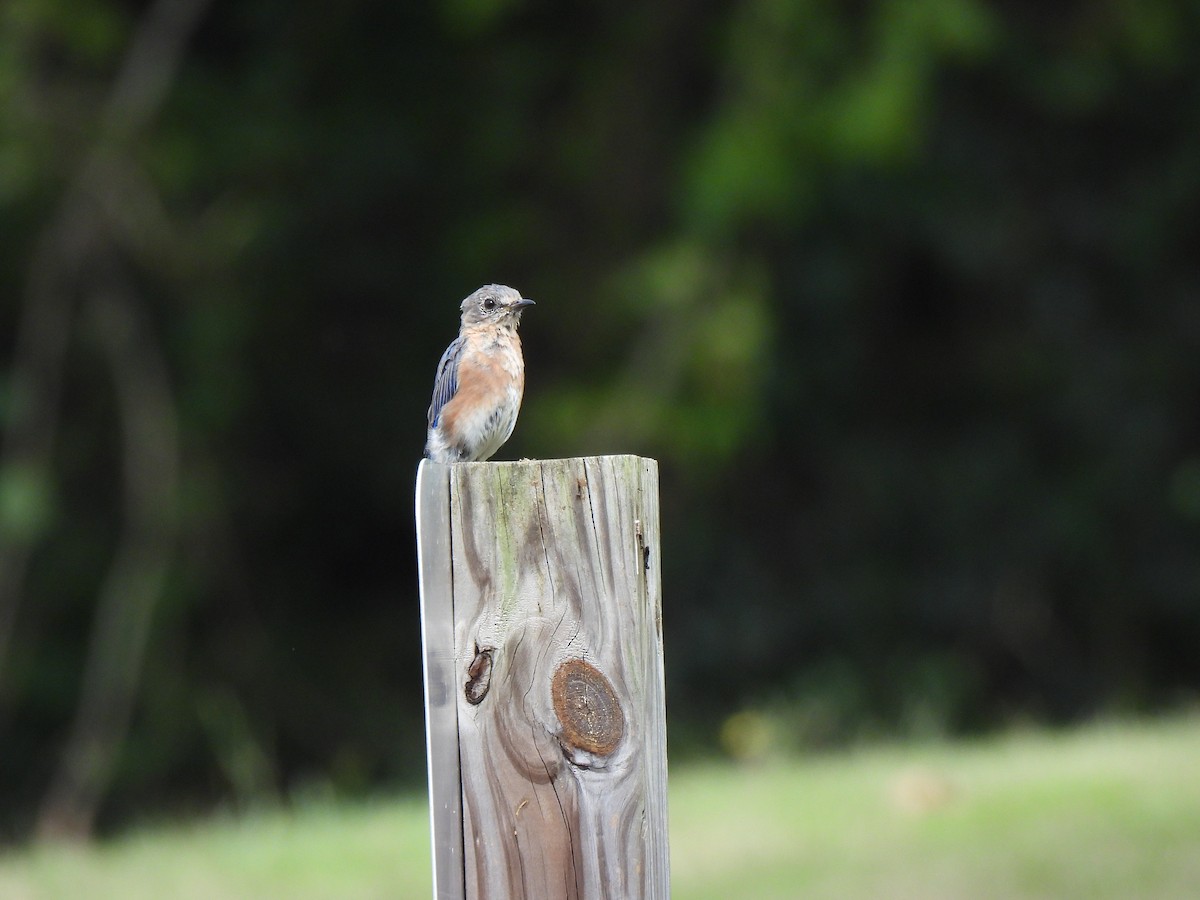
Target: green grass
column 1102, row 813
column 1106, row 812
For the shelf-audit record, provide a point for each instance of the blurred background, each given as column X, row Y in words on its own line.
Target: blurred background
column 904, row 296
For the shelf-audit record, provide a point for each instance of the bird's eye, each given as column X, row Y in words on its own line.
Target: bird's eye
column 489, row 303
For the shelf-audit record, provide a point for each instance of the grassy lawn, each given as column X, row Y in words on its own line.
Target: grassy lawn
column 1105, row 812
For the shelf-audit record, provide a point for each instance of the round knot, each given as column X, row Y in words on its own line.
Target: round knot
column 588, row 708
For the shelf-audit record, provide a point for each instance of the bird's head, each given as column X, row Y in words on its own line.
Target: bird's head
column 494, row 304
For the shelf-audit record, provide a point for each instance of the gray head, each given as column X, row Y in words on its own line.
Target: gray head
column 494, row 304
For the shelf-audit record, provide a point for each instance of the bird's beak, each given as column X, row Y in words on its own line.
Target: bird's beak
column 522, row 303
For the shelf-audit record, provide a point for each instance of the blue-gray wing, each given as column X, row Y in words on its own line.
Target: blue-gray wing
column 445, row 385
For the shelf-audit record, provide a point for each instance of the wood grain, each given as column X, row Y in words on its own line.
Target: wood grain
column 437, row 643
column 555, row 572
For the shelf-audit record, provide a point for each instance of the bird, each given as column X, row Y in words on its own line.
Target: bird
column 480, row 379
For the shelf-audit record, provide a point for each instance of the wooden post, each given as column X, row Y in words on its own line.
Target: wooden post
column 545, row 714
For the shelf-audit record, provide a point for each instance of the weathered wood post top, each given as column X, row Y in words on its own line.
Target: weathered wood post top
column 545, row 709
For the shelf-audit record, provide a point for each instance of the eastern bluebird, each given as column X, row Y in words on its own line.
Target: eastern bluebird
column 480, row 379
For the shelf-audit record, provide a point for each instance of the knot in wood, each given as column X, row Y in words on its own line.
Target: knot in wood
column 479, row 675
column 587, row 707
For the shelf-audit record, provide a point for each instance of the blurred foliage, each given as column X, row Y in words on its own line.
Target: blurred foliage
column 903, row 295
